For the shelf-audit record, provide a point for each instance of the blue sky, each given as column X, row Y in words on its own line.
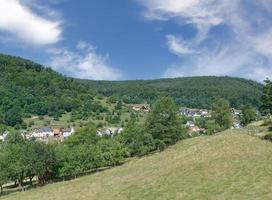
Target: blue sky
column 141, row 39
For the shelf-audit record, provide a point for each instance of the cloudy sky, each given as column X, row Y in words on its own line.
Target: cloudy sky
column 141, row 39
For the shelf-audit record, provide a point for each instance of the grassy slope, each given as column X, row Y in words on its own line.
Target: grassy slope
column 225, row 166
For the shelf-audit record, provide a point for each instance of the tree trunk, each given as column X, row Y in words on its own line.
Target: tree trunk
column 21, row 186
column 1, row 190
column 30, row 181
column 21, row 183
column 15, row 183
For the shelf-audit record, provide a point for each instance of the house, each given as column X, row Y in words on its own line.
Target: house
column 41, row 133
column 141, row 107
column 204, row 113
column 190, row 125
column 4, row 136
column 111, row 131
column 189, row 112
column 57, row 132
column 236, row 112
column 67, row 132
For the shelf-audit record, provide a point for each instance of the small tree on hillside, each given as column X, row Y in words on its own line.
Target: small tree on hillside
column 267, row 98
column 163, row 123
column 4, row 171
column 119, row 105
column 249, row 115
column 137, row 141
column 221, row 113
column 14, row 149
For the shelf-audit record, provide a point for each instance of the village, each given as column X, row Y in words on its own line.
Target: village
column 194, row 114
column 50, row 134
column 45, row 134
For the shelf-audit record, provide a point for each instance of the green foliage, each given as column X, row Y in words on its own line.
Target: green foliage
column 249, row 115
column 84, row 136
column 85, row 151
column 163, row 123
column 29, row 88
column 137, row 141
column 268, row 137
column 4, row 170
column 112, row 99
column 267, row 98
column 13, row 116
column 194, row 92
column 161, row 129
column 221, row 113
column 40, row 161
column 22, row 159
column 118, row 105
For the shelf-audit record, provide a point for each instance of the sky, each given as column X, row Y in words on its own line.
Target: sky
column 141, row 39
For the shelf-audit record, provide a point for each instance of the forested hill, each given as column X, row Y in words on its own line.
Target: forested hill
column 191, row 91
column 28, row 88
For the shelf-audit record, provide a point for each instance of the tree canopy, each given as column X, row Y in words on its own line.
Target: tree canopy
column 221, row 113
column 194, row 92
column 267, row 97
column 27, row 88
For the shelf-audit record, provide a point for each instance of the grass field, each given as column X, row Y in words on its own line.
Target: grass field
column 230, row 165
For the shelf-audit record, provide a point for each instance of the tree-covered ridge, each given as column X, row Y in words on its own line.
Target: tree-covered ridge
column 28, row 88
column 196, row 92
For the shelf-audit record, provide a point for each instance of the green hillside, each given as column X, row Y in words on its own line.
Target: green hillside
column 230, row 165
column 196, row 92
column 28, row 89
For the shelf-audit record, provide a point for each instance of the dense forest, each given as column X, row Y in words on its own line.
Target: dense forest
column 196, row 92
column 27, row 88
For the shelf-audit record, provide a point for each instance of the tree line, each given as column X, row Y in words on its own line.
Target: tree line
column 193, row 92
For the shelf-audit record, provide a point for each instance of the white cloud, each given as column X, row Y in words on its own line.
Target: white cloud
column 219, row 62
column 263, row 43
column 245, row 52
column 177, row 45
column 83, row 63
column 23, row 25
column 203, row 14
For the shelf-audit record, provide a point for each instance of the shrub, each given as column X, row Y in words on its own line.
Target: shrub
column 268, row 137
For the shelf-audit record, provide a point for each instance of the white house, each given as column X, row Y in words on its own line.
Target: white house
column 4, row 136
column 236, row 112
column 189, row 112
column 67, row 132
column 42, row 133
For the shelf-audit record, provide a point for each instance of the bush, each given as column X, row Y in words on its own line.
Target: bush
column 267, row 122
column 268, row 137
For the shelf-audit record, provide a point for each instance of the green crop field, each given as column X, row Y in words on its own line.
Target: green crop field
column 230, row 165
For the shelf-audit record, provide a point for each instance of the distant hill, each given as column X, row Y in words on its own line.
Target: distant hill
column 225, row 166
column 198, row 92
column 28, row 88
